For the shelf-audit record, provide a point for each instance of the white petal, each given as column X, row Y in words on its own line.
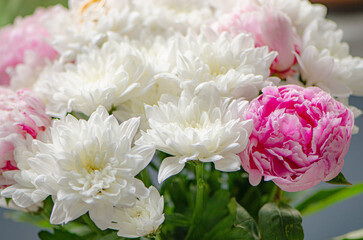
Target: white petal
column 229, row 163
column 169, row 167
column 101, row 215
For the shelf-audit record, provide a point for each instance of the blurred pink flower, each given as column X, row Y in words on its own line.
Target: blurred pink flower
column 21, row 114
column 270, row 27
column 300, row 138
column 26, row 35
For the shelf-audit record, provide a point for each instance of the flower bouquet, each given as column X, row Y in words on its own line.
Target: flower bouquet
column 167, row 119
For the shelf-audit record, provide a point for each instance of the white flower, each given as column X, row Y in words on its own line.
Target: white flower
column 316, row 69
column 90, row 167
column 301, row 12
column 165, row 17
column 135, row 107
column 23, row 192
column 323, row 34
column 108, row 76
column 350, row 72
column 142, row 219
column 238, row 69
column 93, row 22
column 201, row 125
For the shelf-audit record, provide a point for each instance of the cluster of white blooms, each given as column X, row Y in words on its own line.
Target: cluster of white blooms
column 182, row 71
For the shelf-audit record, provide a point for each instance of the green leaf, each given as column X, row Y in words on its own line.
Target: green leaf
column 79, row 115
column 339, row 180
column 325, row 198
column 238, row 224
column 58, row 235
column 222, row 230
column 10, row 9
column 177, row 219
column 244, row 221
column 357, row 235
column 35, row 219
column 279, row 221
column 7, row 200
column 110, row 236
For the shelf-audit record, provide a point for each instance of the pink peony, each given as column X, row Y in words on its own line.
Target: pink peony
column 270, row 27
column 21, row 114
column 28, row 35
column 300, row 138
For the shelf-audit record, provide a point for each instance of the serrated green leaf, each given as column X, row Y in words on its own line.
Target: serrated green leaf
column 244, row 221
column 177, row 219
column 279, row 221
column 325, row 198
column 339, row 180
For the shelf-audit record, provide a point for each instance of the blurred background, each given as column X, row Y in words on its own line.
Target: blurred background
column 333, row 221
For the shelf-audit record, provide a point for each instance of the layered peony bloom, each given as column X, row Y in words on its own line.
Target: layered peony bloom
column 270, row 27
column 22, row 115
column 200, row 125
column 26, row 45
column 300, row 138
column 142, row 219
column 86, row 166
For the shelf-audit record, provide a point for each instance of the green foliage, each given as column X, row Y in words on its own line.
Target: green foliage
column 339, row 180
column 35, row 219
column 279, row 221
column 177, row 219
column 243, row 220
column 10, row 9
column 58, row 235
column 325, row 198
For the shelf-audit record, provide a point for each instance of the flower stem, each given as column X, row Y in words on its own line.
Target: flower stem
column 276, row 194
column 157, row 237
column 198, row 209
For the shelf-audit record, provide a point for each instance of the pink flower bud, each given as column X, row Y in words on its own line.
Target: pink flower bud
column 270, row 27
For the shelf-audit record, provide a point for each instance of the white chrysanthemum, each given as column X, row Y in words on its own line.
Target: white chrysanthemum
column 135, row 107
column 324, row 34
column 316, row 69
column 350, row 72
column 90, row 166
column 142, row 219
column 201, row 125
column 108, row 76
column 237, row 68
column 165, row 17
column 161, row 54
column 93, row 23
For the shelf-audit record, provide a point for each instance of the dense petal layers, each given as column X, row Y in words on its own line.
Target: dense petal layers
column 300, row 138
column 22, row 115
